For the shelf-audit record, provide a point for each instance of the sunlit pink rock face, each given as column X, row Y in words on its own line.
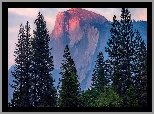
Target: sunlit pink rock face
column 85, row 32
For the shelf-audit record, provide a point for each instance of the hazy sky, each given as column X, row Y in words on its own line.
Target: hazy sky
column 16, row 16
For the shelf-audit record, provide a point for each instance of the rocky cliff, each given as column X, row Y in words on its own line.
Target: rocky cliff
column 85, row 32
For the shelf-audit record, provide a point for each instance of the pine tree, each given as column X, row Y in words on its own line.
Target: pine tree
column 127, row 36
column 70, row 87
column 120, row 51
column 143, row 95
column 132, row 98
column 99, row 78
column 114, row 53
column 109, row 98
column 140, row 69
column 88, row 98
column 22, row 82
column 43, row 90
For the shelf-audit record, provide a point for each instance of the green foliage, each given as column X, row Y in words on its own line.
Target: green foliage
column 109, row 98
column 88, row 98
column 132, row 98
column 70, row 87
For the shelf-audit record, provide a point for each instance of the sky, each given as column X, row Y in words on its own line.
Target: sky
column 18, row 16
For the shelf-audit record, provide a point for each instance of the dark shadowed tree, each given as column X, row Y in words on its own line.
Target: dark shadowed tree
column 140, row 69
column 120, row 51
column 43, row 90
column 127, row 36
column 88, row 98
column 22, row 82
column 114, row 50
column 70, row 86
column 99, row 78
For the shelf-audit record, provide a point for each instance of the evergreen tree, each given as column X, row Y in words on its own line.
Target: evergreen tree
column 114, row 53
column 140, row 68
column 99, row 78
column 70, row 87
column 22, row 82
column 132, row 98
column 143, row 95
column 109, row 98
column 120, row 51
column 43, row 90
column 127, row 36
column 88, row 98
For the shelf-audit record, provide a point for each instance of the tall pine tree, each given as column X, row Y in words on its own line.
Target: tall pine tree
column 22, row 82
column 114, row 51
column 99, row 77
column 43, row 90
column 120, row 51
column 140, row 69
column 127, row 36
column 70, row 87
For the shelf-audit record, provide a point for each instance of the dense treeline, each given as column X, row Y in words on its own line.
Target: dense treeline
column 119, row 81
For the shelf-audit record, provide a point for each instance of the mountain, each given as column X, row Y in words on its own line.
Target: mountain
column 10, row 81
column 87, row 34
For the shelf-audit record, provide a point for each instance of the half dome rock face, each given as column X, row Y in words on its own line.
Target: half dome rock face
column 73, row 20
column 85, row 32
column 58, row 29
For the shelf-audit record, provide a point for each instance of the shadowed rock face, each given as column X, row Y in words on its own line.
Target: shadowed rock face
column 85, row 32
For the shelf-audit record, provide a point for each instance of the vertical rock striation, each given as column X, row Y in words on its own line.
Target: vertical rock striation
column 81, row 30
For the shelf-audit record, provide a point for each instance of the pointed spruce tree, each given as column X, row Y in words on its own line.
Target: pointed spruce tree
column 140, row 69
column 115, row 50
column 127, row 36
column 120, row 51
column 99, row 77
column 43, row 90
column 132, row 97
column 70, row 88
column 22, row 82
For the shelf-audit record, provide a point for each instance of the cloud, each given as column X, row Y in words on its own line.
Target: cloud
column 12, row 39
column 27, row 12
column 50, row 23
column 108, row 13
column 138, row 13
